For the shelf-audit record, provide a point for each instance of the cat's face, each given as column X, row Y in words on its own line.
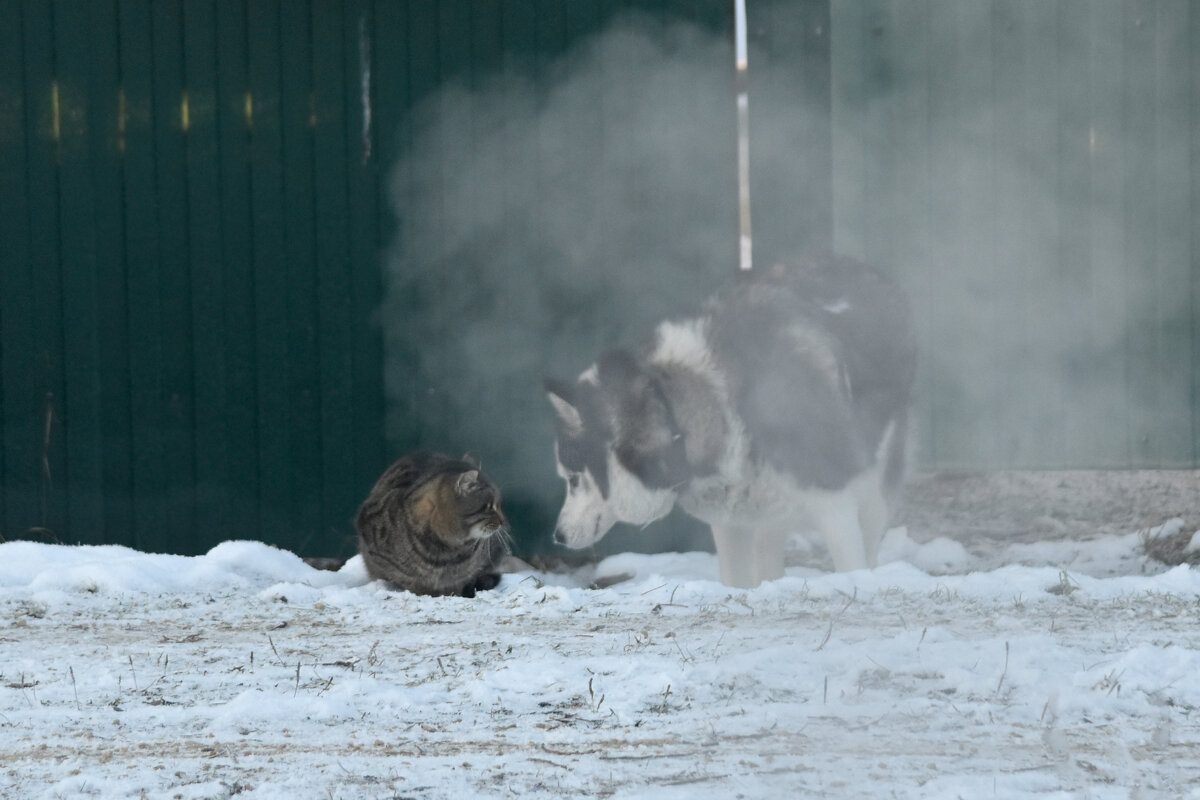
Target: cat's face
column 476, row 502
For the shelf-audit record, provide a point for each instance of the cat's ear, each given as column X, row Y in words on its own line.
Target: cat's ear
column 472, row 459
column 467, row 482
column 560, row 394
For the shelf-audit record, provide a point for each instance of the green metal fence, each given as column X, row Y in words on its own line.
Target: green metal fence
column 251, row 250
column 190, row 235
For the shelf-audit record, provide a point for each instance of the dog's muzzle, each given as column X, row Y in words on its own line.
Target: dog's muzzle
column 563, row 537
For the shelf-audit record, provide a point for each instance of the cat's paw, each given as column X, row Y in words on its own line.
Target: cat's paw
column 484, row 583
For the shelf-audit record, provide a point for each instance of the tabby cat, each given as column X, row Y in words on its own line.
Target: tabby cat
column 433, row 525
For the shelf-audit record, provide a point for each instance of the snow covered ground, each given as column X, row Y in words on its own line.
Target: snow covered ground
column 1020, row 667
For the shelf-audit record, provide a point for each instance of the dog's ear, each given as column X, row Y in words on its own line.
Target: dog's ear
column 650, row 445
column 562, row 396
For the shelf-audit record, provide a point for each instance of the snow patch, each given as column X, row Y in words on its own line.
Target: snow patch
column 1045, row 668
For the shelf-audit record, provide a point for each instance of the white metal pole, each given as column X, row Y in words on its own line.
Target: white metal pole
column 745, row 259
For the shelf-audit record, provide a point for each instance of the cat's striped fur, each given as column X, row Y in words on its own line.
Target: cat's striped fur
column 433, row 525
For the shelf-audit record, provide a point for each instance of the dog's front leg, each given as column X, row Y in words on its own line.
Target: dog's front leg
column 736, row 556
column 872, row 519
column 769, row 547
column 837, row 520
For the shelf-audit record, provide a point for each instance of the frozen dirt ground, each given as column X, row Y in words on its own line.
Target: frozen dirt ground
column 1017, row 643
column 977, row 507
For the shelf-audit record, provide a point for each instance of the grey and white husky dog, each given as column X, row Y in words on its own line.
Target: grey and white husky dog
column 781, row 408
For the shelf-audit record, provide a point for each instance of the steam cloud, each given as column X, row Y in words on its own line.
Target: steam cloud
column 1023, row 168
column 546, row 217
column 1010, row 164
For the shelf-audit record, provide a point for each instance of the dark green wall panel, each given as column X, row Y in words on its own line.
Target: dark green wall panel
column 235, row 268
column 189, row 274
column 17, row 428
column 207, row 289
column 50, row 114
column 333, row 289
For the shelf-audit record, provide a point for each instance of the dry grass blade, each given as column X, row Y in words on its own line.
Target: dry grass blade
column 1004, row 673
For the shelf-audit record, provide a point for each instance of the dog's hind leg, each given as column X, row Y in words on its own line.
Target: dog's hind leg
column 736, row 556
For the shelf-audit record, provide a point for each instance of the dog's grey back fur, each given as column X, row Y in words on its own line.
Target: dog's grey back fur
column 820, row 358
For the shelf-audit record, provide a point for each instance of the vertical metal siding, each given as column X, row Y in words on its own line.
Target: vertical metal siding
column 188, row 275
